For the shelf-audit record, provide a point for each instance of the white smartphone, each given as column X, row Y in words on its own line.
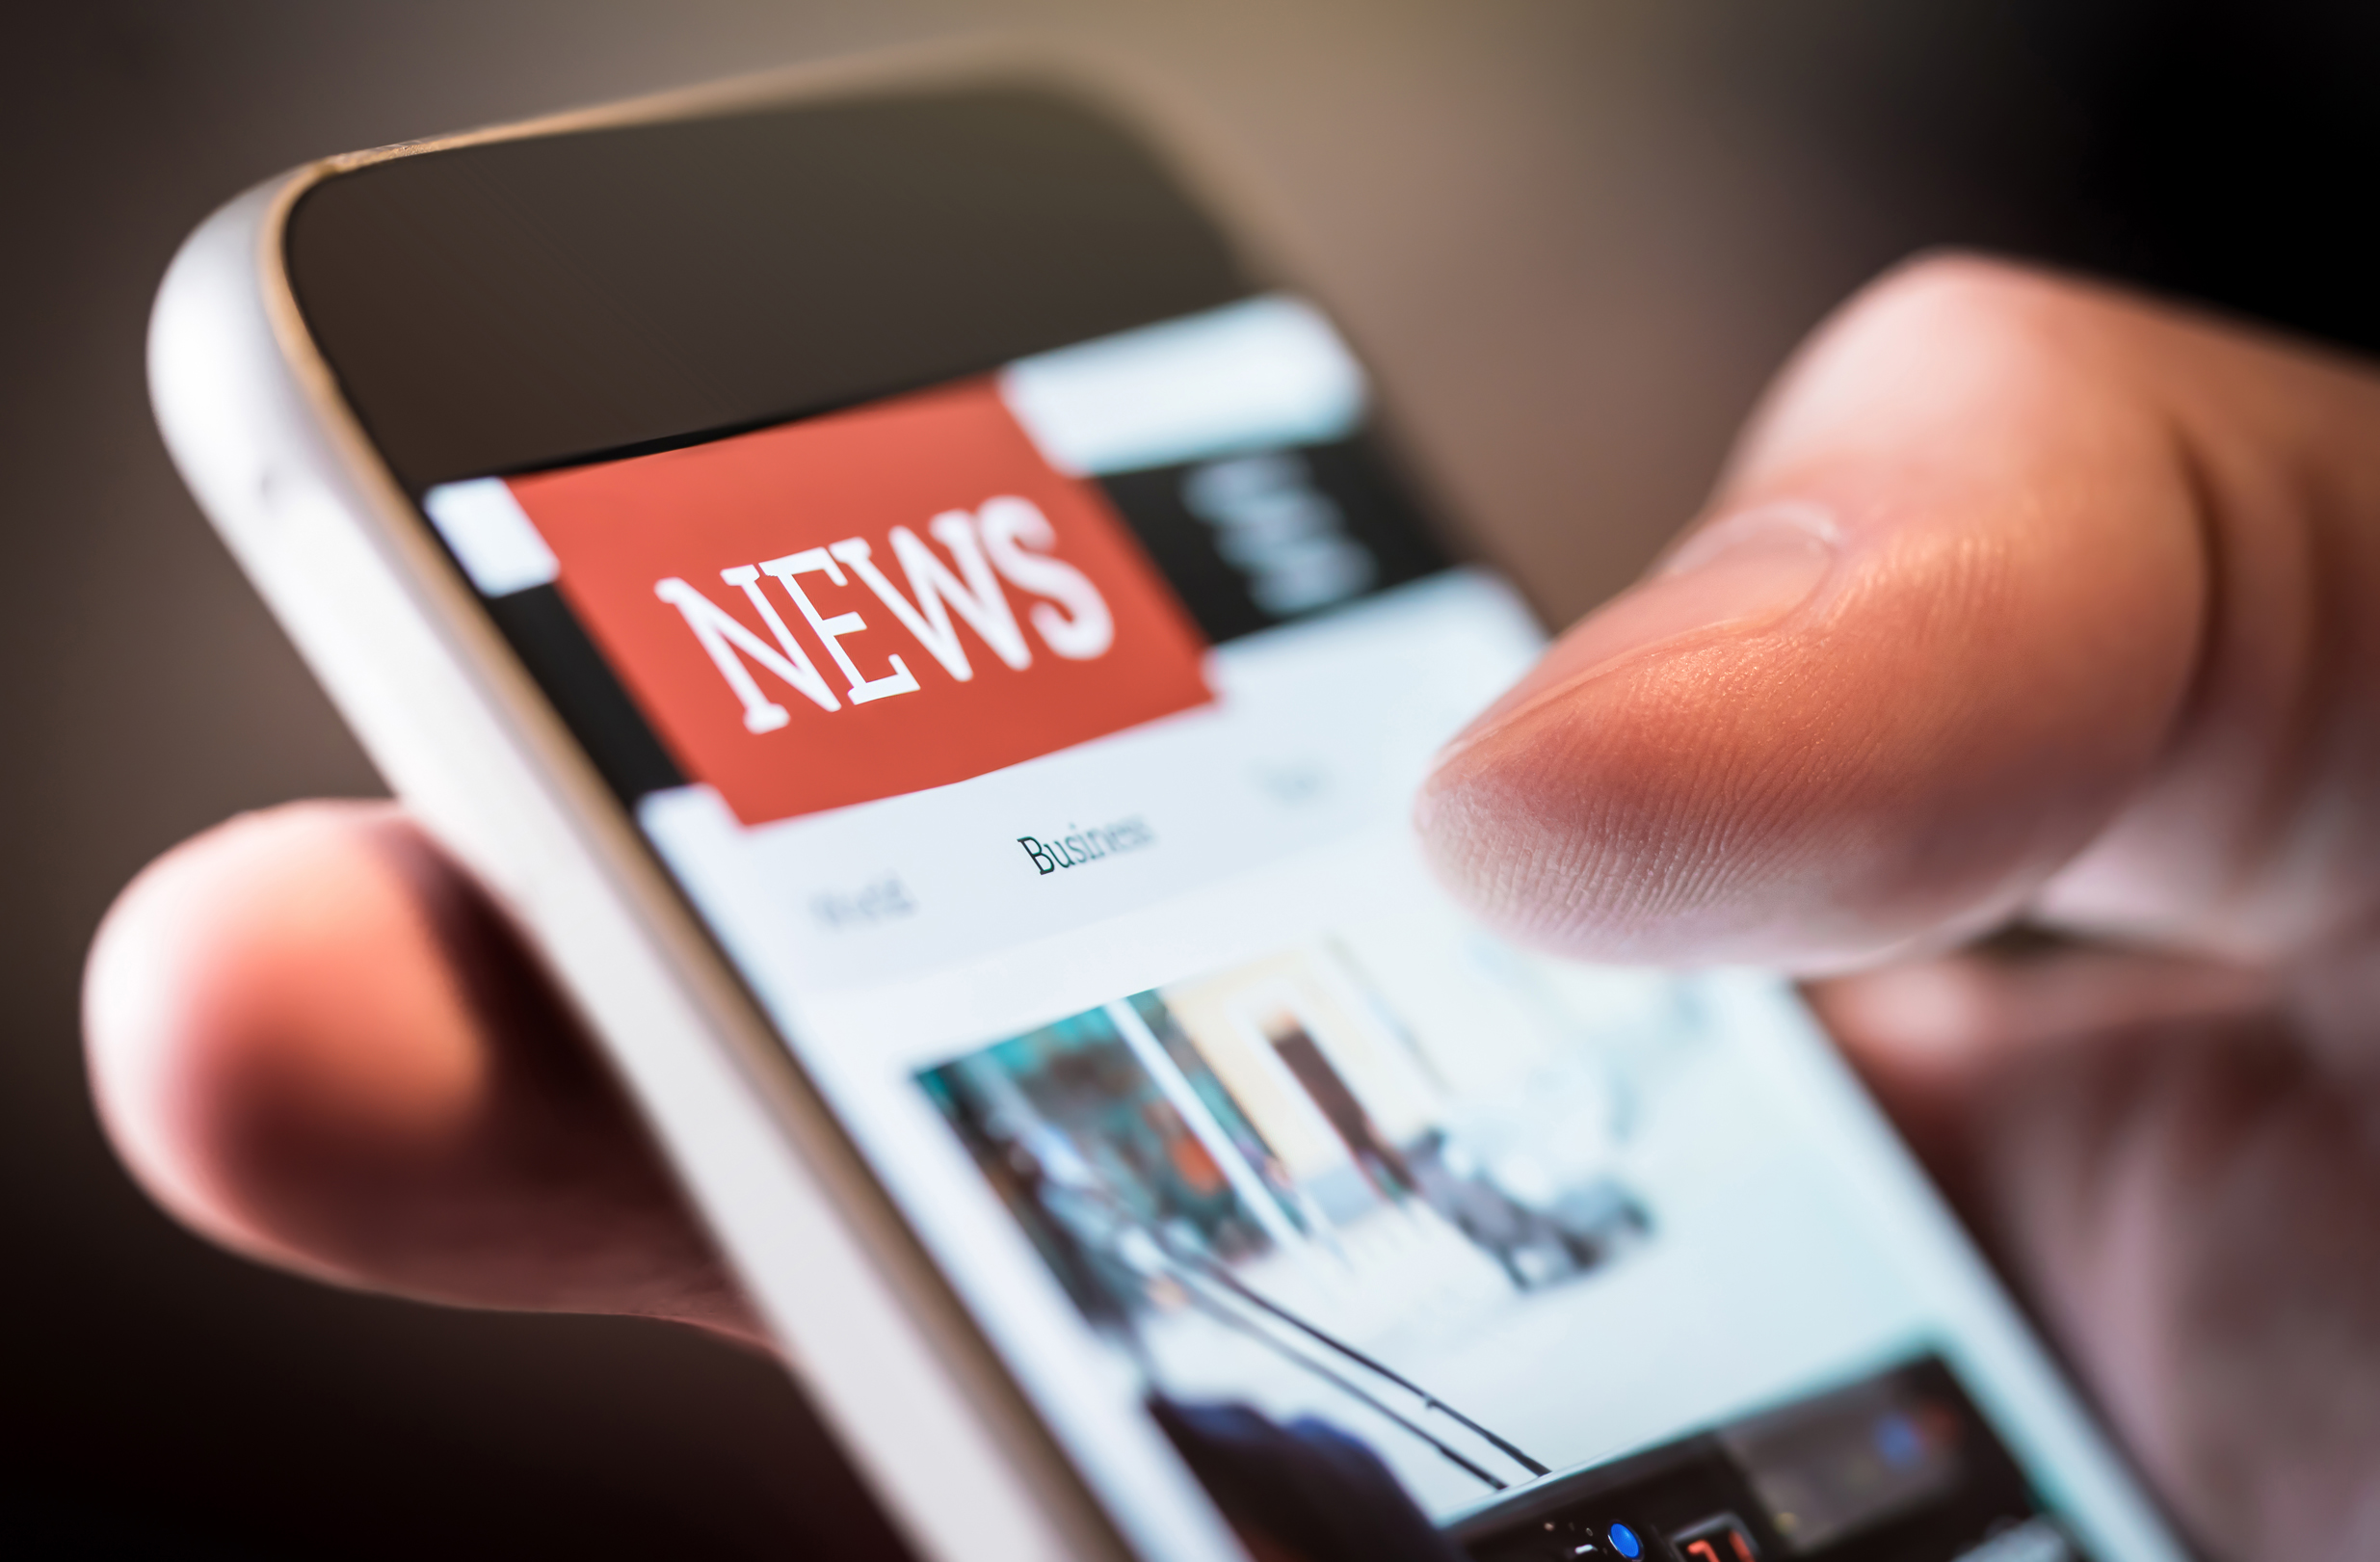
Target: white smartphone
column 931, row 642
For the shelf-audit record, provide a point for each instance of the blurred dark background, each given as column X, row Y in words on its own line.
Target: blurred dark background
column 1574, row 238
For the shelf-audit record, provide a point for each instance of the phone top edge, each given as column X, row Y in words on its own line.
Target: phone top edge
column 1021, row 57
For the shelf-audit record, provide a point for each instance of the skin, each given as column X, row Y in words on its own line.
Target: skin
column 2020, row 600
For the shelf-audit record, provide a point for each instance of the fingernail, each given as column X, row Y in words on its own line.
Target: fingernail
column 1740, row 574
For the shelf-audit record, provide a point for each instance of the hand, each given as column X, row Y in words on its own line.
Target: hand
column 2022, row 598
column 315, row 1041
column 2019, row 598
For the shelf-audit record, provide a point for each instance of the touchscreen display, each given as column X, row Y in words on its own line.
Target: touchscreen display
column 1040, row 746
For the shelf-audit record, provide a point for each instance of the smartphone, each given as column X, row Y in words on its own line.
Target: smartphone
column 934, row 643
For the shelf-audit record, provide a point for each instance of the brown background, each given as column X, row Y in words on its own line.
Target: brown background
column 1574, row 236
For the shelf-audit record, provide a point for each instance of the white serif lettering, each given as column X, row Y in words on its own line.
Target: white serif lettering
column 1005, row 539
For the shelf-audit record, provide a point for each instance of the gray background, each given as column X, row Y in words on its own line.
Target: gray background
column 1574, row 237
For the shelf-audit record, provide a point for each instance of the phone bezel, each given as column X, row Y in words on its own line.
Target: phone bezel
column 307, row 446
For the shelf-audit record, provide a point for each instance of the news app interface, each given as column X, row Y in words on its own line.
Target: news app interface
column 1040, row 746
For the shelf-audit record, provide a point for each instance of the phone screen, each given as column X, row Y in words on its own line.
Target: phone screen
column 1040, row 746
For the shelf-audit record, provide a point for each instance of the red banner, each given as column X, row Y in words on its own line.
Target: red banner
column 872, row 602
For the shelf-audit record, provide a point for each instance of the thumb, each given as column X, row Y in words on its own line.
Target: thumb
column 2017, row 595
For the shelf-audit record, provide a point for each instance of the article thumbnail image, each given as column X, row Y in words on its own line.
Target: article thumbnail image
column 1393, row 1142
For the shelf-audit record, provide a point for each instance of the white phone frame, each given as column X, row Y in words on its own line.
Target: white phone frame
column 255, row 422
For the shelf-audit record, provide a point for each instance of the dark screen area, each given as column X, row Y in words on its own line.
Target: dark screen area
column 521, row 304
column 1253, row 541
column 554, row 646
